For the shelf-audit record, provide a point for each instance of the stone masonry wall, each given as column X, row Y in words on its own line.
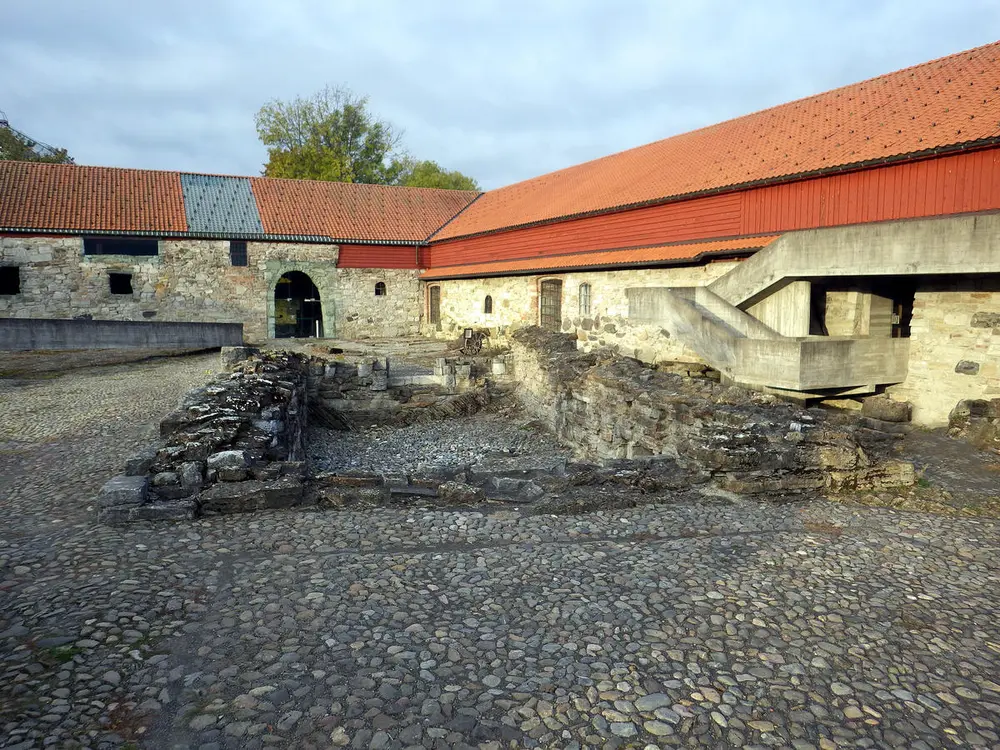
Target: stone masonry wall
column 515, row 305
column 954, row 348
column 193, row 281
column 610, row 407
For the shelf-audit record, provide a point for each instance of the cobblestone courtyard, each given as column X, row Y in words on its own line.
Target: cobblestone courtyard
column 729, row 624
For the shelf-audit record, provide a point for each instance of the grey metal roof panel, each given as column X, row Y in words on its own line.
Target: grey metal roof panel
column 223, row 205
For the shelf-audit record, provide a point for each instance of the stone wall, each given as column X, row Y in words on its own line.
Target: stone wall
column 232, row 446
column 515, row 305
column 193, row 281
column 954, row 348
column 610, row 407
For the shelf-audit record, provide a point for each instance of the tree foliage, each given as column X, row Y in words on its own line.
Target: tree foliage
column 329, row 136
column 16, row 147
column 333, row 136
column 430, row 174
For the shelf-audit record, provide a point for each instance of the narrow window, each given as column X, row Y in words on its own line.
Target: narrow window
column 120, row 283
column 585, row 300
column 120, row 246
column 379, row 288
column 488, row 305
column 237, row 252
column 10, row 280
column 550, row 304
column 434, row 304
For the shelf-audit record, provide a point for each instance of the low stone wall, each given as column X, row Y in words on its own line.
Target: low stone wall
column 19, row 334
column 609, row 407
column 234, row 445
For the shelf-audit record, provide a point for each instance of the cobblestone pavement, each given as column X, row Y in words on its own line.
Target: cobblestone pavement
column 723, row 625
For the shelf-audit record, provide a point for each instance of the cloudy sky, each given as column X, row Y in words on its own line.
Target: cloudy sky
column 502, row 90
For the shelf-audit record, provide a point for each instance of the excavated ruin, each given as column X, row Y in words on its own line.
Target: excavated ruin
column 543, row 427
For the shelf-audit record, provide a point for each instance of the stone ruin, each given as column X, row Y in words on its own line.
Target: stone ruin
column 236, row 444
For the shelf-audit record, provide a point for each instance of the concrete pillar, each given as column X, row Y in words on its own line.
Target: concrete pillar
column 787, row 310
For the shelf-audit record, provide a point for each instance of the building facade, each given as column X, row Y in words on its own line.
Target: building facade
column 840, row 245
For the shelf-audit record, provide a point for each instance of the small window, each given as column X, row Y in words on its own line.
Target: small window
column 10, row 280
column 379, row 288
column 434, row 304
column 585, row 300
column 120, row 246
column 120, row 283
column 488, row 305
column 237, row 253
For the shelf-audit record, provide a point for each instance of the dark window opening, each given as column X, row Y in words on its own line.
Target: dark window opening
column 434, row 304
column 298, row 311
column 120, row 283
column 120, row 246
column 238, row 253
column 488, row 305
column 379, row 288
column 10, row 280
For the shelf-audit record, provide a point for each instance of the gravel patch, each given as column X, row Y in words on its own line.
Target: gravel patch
column 447, row 443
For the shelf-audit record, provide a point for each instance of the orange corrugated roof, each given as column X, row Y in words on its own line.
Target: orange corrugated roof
column 627, row 256
column 67, row 197
column 355, row 211
column 942, row 103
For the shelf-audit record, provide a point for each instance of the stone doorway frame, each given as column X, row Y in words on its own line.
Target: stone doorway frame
column 323, row 275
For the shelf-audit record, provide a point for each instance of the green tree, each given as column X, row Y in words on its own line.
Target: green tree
column 329, row 136
column 430, row 174
column 15, row 146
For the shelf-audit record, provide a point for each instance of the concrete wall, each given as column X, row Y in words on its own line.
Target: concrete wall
column 515, row 304
column 18, row 334
column 193, row 281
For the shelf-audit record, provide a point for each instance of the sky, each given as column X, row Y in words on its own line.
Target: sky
column 501, row 90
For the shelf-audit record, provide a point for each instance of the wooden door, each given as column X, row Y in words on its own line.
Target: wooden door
column 550, row 305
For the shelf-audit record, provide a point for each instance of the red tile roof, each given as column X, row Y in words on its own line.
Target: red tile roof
column 68, row 197
column 938, row 104
column 355, row 211
column 643, row 256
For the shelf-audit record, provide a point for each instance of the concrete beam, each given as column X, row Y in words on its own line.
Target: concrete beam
column 28, row 334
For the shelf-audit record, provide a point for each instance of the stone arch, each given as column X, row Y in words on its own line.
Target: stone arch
column 322, row 274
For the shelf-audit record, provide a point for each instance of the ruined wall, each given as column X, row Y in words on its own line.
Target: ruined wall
column 954, row 348
column 609, row 407
column 515, row 305
column 194, row 281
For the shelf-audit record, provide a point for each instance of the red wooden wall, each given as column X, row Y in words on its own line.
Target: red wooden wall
column 379, row 256
column 946, row 185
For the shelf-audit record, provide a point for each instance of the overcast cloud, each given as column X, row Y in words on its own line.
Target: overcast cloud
column 502, row 90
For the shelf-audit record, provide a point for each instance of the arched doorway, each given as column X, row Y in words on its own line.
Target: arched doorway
column 298, row 312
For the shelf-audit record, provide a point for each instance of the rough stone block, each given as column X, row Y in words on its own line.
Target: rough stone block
column 123, row 490
column 986, row 320
column 191, row 475
column 250, row 495
column 886, row 409
column 228, row 460
column 139, row 464
column 967, row 367
column 232, row 355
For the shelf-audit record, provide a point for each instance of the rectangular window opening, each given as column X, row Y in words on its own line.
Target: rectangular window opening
column 120, row 283
column 10, row 279
column 238, row 253
column 141, row 246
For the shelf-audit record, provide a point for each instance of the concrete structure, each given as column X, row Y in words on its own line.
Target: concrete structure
column 20, row 334
column 840, row 245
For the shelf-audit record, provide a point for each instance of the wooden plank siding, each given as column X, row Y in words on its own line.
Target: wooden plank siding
column 960, row 183
column 380, row 256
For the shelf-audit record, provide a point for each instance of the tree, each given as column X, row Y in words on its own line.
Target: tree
column 333, row 136
column 330, row 136
column 429, row 174
column 15, row 146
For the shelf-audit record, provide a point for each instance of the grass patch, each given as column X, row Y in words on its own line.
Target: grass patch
column 58, row 654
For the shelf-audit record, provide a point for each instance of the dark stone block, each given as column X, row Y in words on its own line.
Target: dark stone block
column 986, row 320
column 139, row 465
column 966, row 367
column 183, row 510
column 123, row 490
column 250, row 495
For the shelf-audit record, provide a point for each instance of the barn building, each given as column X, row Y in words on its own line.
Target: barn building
column 838, row 245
